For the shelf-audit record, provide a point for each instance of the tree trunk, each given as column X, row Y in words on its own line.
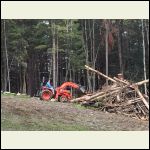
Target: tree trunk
column 90, row 36
column 57, row 58
column 20, row 77
column 5, row 75
column 70, row 77
column 93, row 54
column 87, row 56
column 147, row 35
column 54, row 52
column 73, row 74
column 6, row 56
column 120, row 48
column 68, row 47
column 24, row 81
column 29, row 74
column 145, row 88
column 147, row 39
column 106, row 46
column 3, row 64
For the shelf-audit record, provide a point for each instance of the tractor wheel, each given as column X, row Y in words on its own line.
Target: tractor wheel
column 63, row 99
column 46, row 95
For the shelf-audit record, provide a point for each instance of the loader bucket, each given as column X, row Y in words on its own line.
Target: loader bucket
column 82, row 89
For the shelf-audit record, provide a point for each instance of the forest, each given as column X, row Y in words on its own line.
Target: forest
column 59, row 49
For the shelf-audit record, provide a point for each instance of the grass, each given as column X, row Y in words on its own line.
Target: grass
column 78, row 106
column 9, row 94
column 12, row 122
column 14, row 95
column 23, row 114
column 22, row 121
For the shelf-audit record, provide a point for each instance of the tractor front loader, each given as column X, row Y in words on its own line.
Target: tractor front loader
column 60, row 93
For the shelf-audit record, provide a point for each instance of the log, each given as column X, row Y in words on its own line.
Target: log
column 142, row 98
column 98, row 95
column 134, row 101
column 135, row 86
column 142, row 82
column 122, row 81
column 104, row 95
column 80, row 99
column 99, row 73
column 107, row 97
column 86, row 97
column 141, row 109
column 126, row 82
column 95, row 95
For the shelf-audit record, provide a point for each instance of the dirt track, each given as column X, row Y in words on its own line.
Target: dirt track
column 33, row 113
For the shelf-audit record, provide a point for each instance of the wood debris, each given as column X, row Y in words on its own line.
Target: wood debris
column 120, row 97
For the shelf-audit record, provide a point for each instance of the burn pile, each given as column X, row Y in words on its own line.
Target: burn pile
column 121, row 96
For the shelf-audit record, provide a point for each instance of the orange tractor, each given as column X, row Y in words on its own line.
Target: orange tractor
column 61, row 93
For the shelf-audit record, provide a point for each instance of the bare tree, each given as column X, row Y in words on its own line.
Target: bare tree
column 54, row 52
column 93, row 22
column 71, row 25
column 106, row 42
column 67, row 51
column 147, row 34
column 87, row 55
column 24, row 79
column 120, row 47
column 6, row 56
column 143, row 36
column 57, row 58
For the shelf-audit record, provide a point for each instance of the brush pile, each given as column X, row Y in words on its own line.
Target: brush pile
column 120, row 96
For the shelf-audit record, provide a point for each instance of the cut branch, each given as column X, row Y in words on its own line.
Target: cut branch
column 99, row 73
column 122, row 81
column 142, row 98
column 142, row 82
column 123, row 97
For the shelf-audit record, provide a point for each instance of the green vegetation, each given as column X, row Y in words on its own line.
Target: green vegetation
column 78, row 106
column 59, row 49
column 15, row 95
column 12, row 122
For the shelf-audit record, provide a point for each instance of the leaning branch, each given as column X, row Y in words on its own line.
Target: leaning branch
column 99, row 73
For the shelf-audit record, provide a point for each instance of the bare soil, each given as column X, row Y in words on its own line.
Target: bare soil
column 24, row 113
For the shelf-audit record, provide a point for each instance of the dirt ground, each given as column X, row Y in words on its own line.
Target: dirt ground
column 24, row 113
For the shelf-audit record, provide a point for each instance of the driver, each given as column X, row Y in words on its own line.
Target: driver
column 48, row 85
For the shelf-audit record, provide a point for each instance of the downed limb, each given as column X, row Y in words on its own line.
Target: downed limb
column 88, row 98
column 142, row 82
column 121, row 97
column 102, row 96
column 126, row 82
column 142, row 98
column 135, row 86
column 80, row 99
column 122, row 81
column 99, row 73
column 96, row 96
